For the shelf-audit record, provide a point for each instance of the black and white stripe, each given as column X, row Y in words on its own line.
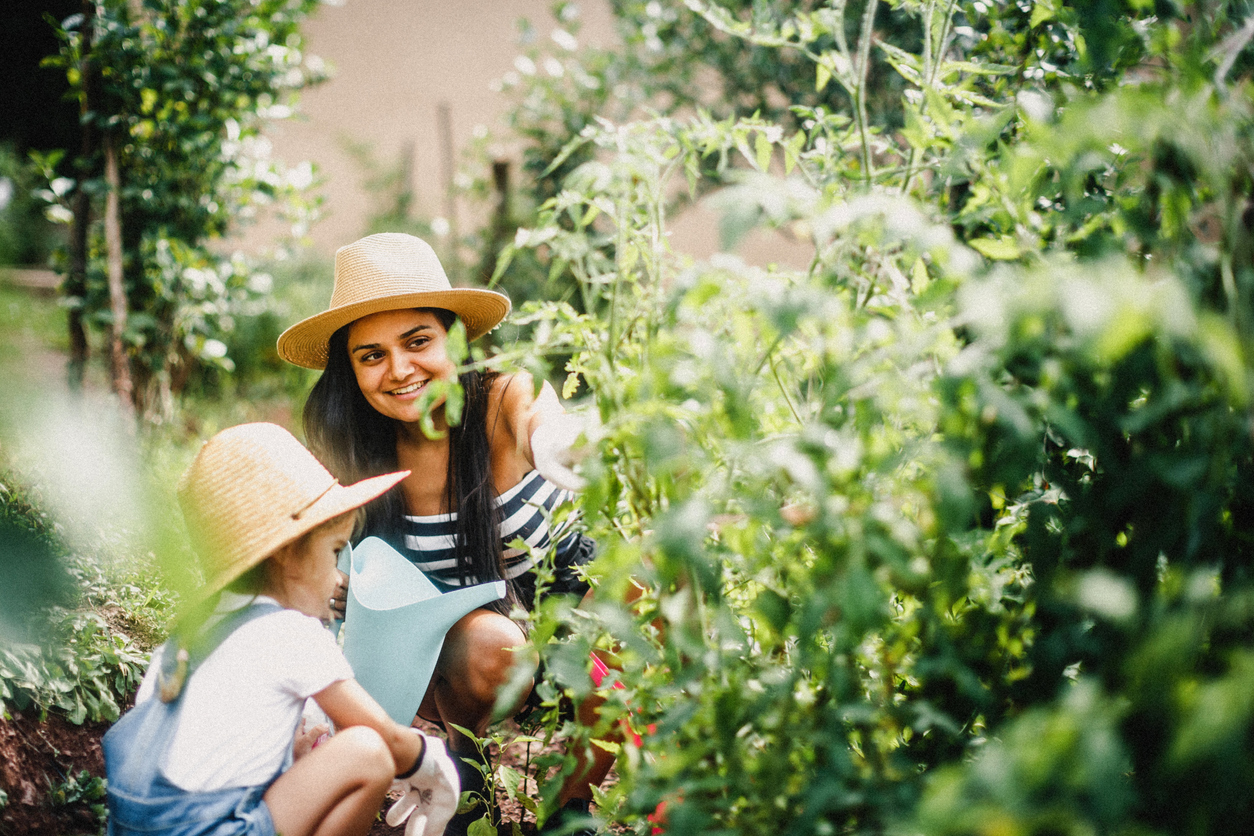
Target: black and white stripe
column 525, row 510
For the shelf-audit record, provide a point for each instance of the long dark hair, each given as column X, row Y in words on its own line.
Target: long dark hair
column 355, row 441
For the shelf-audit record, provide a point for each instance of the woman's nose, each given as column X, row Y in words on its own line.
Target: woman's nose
column 399, row 365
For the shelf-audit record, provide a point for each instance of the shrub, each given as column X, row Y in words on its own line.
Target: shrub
column 918, row 525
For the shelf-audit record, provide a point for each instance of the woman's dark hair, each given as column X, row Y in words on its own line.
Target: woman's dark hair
column 355, row 441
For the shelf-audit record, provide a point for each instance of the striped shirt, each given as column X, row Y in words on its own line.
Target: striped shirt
column 525, row 509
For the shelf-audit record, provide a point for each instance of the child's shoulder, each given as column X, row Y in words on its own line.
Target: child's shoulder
column 280, row 622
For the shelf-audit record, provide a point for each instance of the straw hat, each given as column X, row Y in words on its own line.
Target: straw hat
column 253, row 488
column 387, row 272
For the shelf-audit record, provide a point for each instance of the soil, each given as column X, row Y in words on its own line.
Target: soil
column 37, row 754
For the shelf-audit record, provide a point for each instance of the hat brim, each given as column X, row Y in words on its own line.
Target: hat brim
column 339, row 500
column 305, row 343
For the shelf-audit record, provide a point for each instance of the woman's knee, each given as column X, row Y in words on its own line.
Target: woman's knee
column 481, row 650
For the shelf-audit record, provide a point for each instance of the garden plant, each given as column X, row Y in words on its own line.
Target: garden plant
column 946, row 525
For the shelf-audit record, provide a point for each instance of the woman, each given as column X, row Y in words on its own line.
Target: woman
column 477, row 485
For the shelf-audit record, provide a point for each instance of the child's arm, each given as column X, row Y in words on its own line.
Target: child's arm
column 348, row 704
column 423, row 766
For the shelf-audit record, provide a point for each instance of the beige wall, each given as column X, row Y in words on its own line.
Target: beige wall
column 395, row 63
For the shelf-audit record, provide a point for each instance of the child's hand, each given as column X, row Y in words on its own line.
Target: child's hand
column 339, row 598
column 306, row 740
column 432, row 792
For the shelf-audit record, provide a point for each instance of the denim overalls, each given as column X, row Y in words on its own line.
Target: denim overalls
column 141, row 799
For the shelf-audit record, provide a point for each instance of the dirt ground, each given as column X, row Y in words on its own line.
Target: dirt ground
column 38, row 754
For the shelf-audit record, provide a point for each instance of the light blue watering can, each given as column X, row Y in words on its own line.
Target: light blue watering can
column 395, row 623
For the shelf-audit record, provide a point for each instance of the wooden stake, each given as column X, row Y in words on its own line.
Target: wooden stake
column 122, row 385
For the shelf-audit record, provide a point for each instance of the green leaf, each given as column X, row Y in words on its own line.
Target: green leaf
column 762, row 146
column 742, row 145
column 919, row 279
column 1002, row 248
column 792, row 150
column 1042, row 10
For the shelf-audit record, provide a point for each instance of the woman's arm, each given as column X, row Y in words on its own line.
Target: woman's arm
column 521, row 411
column 541, row 431
column 348, row 704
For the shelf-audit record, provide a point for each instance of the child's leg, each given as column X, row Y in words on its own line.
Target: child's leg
column 335, row 790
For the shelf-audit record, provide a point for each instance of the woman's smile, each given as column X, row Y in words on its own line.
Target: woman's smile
column 410, row 389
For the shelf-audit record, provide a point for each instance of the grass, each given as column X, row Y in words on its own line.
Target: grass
column 30, row 318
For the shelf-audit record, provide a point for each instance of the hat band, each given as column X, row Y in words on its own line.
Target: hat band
column 296, row 514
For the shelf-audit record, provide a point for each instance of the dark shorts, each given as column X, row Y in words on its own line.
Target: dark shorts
column 575, row 551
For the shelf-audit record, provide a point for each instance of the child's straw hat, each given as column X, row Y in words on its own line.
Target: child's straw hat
column 254, row 488
column 387, row 272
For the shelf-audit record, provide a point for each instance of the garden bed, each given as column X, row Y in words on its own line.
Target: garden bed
column 43, row 756
column 40, row 756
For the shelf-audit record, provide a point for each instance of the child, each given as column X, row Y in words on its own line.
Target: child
column 207, row 749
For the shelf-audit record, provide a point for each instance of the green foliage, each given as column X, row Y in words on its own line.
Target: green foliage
column 85, row 672
column 182, row 88
column 83, row 788
column 26, row 237
column 499, row 777
column 31, row 566
column 59, row 651
column 948, row 532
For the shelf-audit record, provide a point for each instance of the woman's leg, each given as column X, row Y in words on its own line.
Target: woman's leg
column 476, row 661
column 335, row 790
column 592, row 767
column 591, row 764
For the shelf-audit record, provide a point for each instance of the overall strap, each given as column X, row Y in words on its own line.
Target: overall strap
column 178, row 662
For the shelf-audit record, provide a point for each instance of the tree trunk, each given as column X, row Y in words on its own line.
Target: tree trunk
column 501, row 227
column 444, row 123
column 120, row 366
column 76, row 277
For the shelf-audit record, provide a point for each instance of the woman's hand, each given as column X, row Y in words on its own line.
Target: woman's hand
column 556, row 451
column 339, row 598
column 307, row 739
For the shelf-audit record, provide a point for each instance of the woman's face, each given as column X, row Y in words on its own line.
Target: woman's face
column 394, row 355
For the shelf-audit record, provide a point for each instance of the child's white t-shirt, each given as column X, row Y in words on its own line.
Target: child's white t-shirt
column 241, row 706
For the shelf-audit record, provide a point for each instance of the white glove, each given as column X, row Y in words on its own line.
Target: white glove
column 553, row 448
column 431, row 794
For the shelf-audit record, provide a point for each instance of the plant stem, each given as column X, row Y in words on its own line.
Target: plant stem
column 783, row 391
column 864, row 64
